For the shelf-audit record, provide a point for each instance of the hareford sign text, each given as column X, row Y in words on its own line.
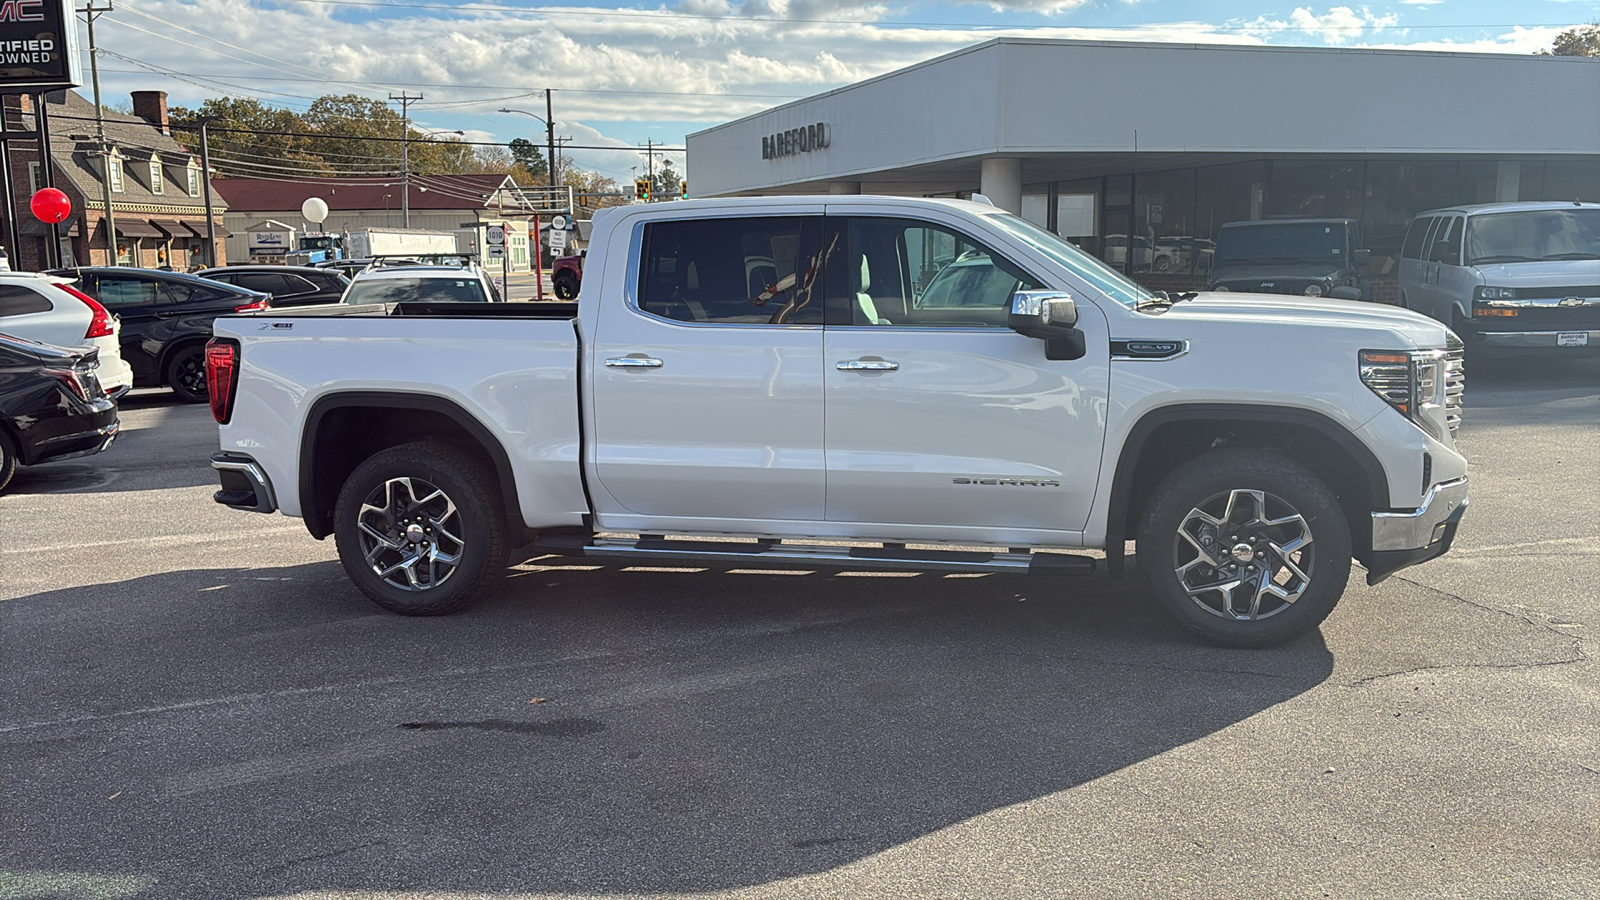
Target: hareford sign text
column 796, row 141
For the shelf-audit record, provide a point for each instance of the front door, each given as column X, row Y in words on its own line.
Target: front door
column 937, row 414
column 707, row 381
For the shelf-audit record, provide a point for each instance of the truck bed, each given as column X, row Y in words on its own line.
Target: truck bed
column 519, row 310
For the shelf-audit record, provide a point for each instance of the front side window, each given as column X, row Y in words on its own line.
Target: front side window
column 737, row 271
column 118, row 292
column 916, row 274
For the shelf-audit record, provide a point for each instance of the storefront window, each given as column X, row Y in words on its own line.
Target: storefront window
column 1078, row 212
column 1163, row 220
column 1036, row 204
column 1316, row 189
column 1231, row 193
column 1570, row 181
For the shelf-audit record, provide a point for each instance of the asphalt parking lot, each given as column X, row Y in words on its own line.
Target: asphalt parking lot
column 194, row 703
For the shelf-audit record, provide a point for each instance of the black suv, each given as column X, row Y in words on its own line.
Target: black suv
column 1309, row 257
column 166, row 320
column 288, row 285
column 51, row 405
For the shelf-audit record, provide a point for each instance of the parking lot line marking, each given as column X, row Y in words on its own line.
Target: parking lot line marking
column 157, row 541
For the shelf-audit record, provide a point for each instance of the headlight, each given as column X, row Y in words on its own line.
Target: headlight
column 1313, row 289
column 1411, row 381
column 1496, row 293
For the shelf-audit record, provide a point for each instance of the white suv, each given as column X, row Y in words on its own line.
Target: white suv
column 50, row 310
column 422, row 284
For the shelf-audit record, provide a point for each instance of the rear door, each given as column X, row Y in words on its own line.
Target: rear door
column 707, row 377
column 144, row 310
column 940, row 420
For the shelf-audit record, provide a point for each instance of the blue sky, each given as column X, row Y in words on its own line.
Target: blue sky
column 626, row 73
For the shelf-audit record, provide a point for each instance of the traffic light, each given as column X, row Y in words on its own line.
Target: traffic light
column 641, row 189
column 684, row 194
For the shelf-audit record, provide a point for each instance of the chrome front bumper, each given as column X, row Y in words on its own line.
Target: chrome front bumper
column 1538, row 338
column 1426, row 525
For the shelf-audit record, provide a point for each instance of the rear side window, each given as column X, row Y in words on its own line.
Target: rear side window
column 113, row 292
column 740, row 271
column 16, row 300
column 266, row 282
column 1414, row 237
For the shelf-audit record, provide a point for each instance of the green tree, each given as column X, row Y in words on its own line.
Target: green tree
column 530, row 156
column 248, row 137
column 1584, row 40
column 667, row 182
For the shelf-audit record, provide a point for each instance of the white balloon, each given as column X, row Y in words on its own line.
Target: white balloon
column 315, row 209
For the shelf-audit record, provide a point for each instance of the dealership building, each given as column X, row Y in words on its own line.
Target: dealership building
column 1127, row 147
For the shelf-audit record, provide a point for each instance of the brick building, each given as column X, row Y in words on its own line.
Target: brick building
column 157, row 191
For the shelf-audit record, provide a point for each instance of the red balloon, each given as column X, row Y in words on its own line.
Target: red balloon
column 50, row 205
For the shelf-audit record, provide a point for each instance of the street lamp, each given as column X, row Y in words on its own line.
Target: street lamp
column 549, row 132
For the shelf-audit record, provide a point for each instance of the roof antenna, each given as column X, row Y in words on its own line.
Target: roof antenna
column 979, row 198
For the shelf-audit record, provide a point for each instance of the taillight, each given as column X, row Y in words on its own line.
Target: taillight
column 100, row 323
column 81, row 384
column 222, row 377
column 251, row 307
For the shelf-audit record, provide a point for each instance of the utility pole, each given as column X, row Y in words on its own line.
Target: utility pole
column 205, row 175
column 550, row 136
column 92, row 12
column 650, row 161
column 405, row 99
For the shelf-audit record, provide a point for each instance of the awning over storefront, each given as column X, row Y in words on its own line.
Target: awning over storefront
column 137, row 228
column 34, row 228
column 172, row 228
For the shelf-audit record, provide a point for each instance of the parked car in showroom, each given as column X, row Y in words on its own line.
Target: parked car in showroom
column 288, row 285
column 422, row 284
column 48, row 309
column 166, row 320
column 1308, row 257
column 52, row 405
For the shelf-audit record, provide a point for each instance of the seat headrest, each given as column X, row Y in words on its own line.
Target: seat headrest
column 865, row 275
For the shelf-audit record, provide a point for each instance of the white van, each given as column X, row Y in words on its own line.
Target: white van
column 1521, row 274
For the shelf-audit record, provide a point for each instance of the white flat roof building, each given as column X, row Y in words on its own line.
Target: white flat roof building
column 1097, row 139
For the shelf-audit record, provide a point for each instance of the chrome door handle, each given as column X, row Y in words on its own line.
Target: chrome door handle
column 633, row 362
column 867, row 365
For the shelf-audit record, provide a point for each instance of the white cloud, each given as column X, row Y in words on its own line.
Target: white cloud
column 1338, row 25
column 1421, row 2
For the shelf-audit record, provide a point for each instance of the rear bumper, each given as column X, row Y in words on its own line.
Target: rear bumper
column 245, row 484
column 71, row 446
column 1405, row 539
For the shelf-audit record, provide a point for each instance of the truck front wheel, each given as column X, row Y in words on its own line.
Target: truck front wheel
column 1245, row 547
column 418, row 528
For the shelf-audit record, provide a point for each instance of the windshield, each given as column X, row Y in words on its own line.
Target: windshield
column 1098, row 275
column 1285, row 242
column 1533, row 235
column 407, row 290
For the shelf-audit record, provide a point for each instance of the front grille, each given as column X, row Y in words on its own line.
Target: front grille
column 1455, row 381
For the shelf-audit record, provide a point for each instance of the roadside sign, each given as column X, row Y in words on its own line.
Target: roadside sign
column 558, row 241
column 496, row 235
column 496, row 251
column 499, row 285
column 558, row 223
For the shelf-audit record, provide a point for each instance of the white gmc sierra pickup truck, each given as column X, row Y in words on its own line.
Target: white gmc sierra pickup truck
column 869, row 382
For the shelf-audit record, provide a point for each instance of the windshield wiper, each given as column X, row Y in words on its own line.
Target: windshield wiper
column 1500, row 259
column 1575, row 256
column 1163, row 300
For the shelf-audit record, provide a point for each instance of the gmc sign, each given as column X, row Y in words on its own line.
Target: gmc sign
column 38, row 43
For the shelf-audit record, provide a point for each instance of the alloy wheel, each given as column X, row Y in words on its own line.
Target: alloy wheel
column 409, row 530
column 1244, row 555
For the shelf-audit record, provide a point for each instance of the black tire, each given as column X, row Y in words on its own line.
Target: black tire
column 1202, row 592
column 1163, row 263
column 186, row 373
column 412, row 537
column 8, row 459
column 566, row 287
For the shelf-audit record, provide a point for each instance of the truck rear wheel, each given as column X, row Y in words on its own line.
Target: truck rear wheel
column 566, row 287
column 1245, row 547
column 419, row 529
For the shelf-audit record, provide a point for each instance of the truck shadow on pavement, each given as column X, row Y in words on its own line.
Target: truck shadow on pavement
column 247, row 732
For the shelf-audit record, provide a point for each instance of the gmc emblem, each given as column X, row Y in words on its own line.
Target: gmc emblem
column 21, row 11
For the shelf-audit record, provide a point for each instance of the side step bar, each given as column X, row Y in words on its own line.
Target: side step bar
column 791, row 555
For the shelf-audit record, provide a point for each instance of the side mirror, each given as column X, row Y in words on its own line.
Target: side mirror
column 1360, row 258
column 1051, row 316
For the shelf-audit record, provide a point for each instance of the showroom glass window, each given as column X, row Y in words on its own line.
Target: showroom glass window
column 734, row 271
column 910, row 273
column 1164, row 222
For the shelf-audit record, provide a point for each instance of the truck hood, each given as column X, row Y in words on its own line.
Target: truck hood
column 1304, row 271
column 1309, row 312
column 1546, row 273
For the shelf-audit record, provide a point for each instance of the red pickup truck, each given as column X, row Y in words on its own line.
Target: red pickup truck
column 567, row 274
